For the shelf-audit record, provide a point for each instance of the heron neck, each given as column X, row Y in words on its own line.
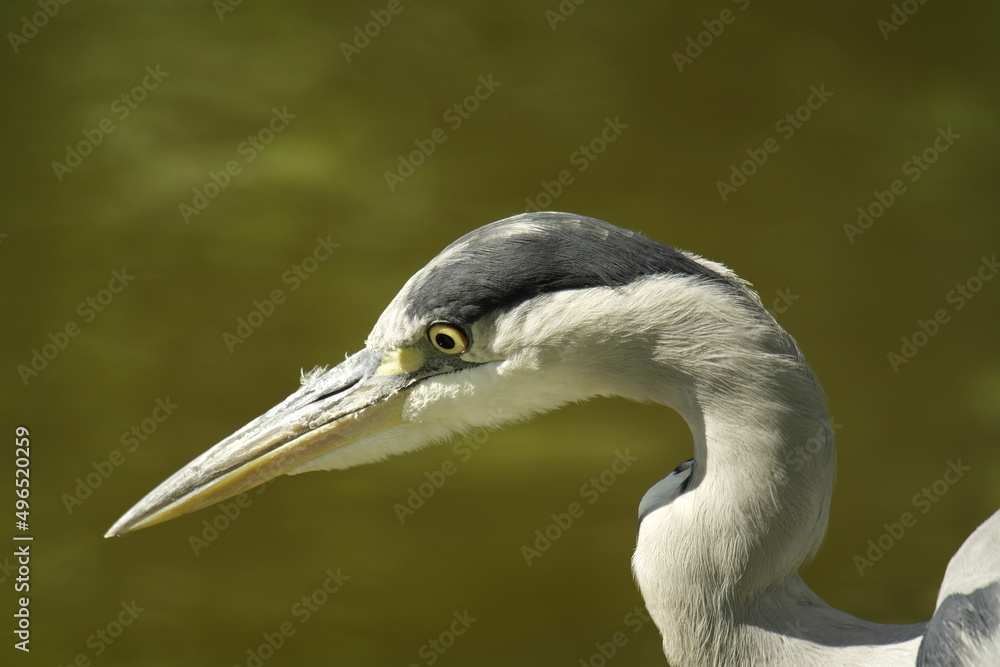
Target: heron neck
column 764, row 443
column 718, row 565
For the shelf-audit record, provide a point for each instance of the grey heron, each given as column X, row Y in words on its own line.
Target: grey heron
column 535, row 311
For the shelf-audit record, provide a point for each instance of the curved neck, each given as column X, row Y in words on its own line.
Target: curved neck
column 763, row 474
column 718, row 564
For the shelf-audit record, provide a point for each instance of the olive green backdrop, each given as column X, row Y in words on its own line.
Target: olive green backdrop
column 204, row 151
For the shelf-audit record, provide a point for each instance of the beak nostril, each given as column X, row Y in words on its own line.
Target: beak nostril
column 334, row 392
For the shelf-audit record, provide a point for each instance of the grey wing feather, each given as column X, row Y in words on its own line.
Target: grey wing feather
column 965, row 628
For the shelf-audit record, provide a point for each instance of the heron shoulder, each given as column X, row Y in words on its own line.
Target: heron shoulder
column 965, row 628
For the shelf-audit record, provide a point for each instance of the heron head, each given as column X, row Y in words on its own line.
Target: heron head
column 513, row 319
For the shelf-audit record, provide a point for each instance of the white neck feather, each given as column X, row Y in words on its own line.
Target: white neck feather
column 718, row 564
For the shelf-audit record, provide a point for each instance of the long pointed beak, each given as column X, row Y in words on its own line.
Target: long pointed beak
column 344, row 404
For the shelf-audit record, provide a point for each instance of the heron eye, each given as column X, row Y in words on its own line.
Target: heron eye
column 448, row 339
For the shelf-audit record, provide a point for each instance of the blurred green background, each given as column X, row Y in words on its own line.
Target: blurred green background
column 211, row 77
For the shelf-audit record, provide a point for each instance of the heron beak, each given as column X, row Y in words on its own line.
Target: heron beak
column 361, row 396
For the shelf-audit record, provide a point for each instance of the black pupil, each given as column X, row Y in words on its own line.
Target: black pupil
column 444, row 341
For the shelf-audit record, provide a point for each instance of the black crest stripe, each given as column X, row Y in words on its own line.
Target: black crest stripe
column 510, row 261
